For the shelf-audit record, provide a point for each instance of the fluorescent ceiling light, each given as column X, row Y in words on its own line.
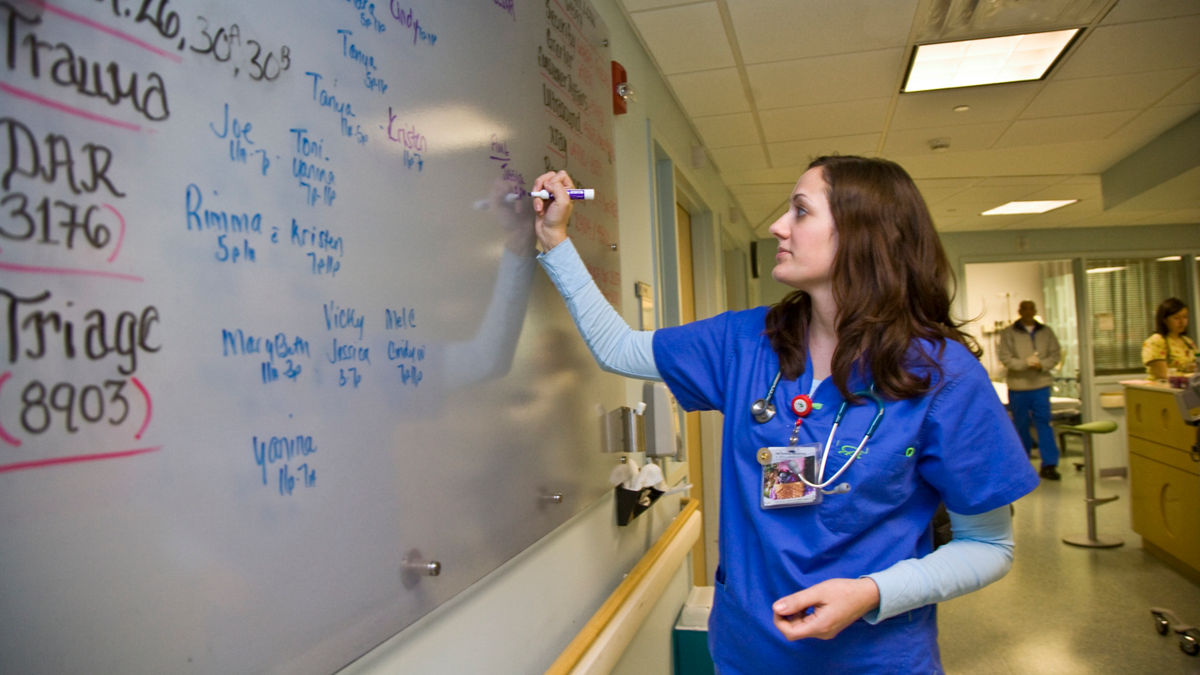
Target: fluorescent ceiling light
column 1102, row 270
column 1012, row 208
column 1169, row 258
column 969, row 63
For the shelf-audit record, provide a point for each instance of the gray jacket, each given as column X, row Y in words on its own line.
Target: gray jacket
column 1016, row 344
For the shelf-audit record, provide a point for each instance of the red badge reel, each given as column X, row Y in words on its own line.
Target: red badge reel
column 802, row 405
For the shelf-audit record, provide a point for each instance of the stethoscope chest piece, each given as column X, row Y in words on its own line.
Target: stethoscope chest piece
column 763, row 410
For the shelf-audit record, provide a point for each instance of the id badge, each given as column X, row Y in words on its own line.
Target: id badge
column 781, row 471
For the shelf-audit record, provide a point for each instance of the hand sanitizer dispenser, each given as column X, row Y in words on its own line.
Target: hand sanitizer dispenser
column 662, row 422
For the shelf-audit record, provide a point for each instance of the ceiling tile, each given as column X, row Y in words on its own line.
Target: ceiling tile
column 761, row 211
column 934, row 197
column 1033, row 182
column 702, row 46
column 1151, row 124
column 742, row 158
column 1063, row 129
column 798, row 154
column 965, row 19
column 1187, row 93
column 698, row 92
column 960, row 138
column 639, row 5
column 724, row 131
column 776, row 30
column 948, row 224
column 1056, row 158
column 956, row 184
column 1134, row 48
column 980, row 198
column 845, row 77
column 992, row 103
column 1093, row 95
column 847, row 118
column 1159, row 9
column 1089, row 196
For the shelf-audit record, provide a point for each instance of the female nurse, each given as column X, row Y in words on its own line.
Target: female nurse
column 1169, row 347
column 846, row 583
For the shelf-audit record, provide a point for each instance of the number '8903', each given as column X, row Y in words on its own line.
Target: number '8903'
column 91, row 404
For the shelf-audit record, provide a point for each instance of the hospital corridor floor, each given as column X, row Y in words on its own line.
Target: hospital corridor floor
column 1068, row 610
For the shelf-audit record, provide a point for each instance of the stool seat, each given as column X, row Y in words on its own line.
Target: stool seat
column 1098, row 427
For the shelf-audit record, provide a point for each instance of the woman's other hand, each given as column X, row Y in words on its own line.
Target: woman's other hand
column 823, row 610
column 551, row 216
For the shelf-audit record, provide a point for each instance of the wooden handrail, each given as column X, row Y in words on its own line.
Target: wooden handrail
column 602, row 641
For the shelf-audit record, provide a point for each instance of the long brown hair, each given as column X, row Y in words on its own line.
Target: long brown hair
column 891, row 282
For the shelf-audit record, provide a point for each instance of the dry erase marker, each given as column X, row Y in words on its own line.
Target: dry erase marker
column 572, row 194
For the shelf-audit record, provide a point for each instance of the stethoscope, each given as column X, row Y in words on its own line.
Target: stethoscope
column 763, row 410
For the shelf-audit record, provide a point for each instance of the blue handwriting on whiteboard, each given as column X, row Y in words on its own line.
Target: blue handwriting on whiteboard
column 308, row 169
column 282, row 449
column 237, row 342
column 353, row 52
column 227, row 223
column 321, row 261
column 404, row 351
column 399, row 319
column 327, row 100
column 339, row 353
column 341, row 318
column 366, row 15
column 239, row 150
column 220, row 221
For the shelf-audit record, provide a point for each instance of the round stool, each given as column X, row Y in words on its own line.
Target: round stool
column 1091, row 539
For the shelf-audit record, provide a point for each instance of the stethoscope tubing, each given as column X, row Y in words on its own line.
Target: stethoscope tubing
column 822, row 482
column 763, row 410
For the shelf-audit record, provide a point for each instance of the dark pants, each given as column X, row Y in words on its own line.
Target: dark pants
column 1034, row 406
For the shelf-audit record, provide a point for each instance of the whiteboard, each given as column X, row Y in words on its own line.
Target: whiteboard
column 272, row 329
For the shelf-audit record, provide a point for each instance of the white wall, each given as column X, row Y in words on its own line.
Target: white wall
column 993, row 291
column 519, row 618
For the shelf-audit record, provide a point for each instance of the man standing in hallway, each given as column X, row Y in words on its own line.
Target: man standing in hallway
column 1029, row 350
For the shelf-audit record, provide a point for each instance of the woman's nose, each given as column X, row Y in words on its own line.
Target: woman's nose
column 778, row 230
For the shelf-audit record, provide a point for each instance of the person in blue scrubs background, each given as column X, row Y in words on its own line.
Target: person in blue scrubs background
column 846, row 584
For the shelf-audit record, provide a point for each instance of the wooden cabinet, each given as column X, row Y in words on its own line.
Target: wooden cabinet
column 1164, row 475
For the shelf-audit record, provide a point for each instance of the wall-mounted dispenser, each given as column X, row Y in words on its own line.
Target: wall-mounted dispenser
column 662, row 422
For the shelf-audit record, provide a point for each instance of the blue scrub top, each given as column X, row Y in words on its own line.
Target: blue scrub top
column 954, row 444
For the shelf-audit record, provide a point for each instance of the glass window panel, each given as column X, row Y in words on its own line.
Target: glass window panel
column 1123, row 294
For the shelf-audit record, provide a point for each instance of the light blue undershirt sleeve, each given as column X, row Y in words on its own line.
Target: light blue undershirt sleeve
column 979, row 553
column 616, row 347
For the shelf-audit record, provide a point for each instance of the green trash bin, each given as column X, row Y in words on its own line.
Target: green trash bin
column 691, row 634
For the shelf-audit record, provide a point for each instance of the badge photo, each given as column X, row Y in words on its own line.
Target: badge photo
column 782, row 469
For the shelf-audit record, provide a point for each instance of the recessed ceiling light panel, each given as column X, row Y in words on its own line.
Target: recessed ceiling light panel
column 970, row 63
column 1013, row 208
